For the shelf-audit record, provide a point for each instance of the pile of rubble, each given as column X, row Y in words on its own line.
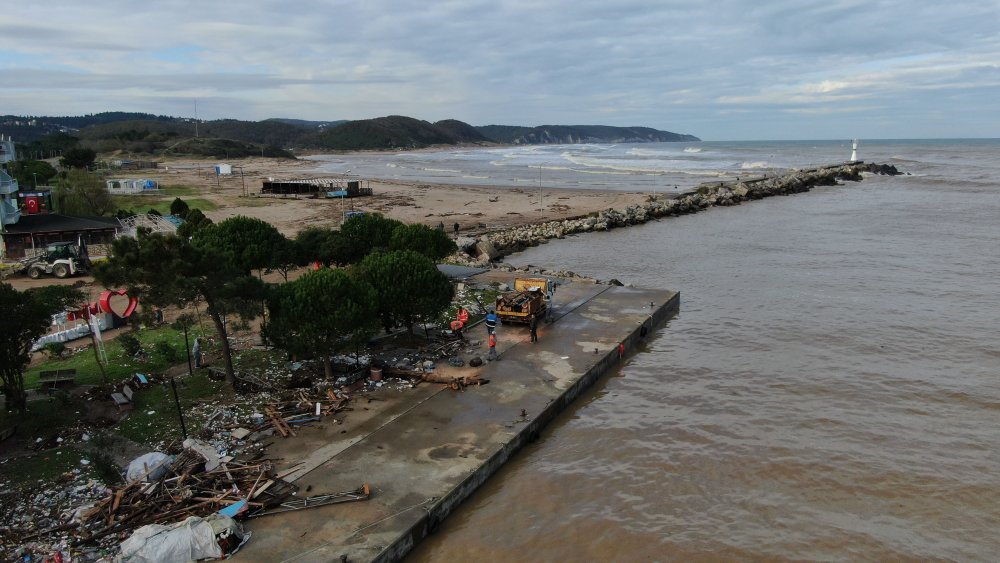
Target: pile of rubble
column 222, row 469
column 226, row 466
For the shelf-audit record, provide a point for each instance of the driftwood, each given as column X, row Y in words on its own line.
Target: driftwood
column 454, row 382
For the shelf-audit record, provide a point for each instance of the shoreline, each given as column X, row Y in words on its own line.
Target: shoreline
column 478, row 209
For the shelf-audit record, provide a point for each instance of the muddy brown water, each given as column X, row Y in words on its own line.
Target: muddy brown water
column 829, row 391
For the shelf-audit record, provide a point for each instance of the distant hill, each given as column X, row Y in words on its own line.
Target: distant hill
column 308, row 124
column 394, row 132
column 223, row 148
column 462, row 131
column 148, row 134
column 260, row 132
column 570, row 134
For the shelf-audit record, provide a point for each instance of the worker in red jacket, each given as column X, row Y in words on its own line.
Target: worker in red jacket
column 493, row 347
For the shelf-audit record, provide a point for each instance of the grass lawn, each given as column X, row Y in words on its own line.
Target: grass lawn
column 119, row 366
column 143, row 203
column 154, row 419
column 178, row 191
column 152, row 423
column 42, row 466
column 161, row 199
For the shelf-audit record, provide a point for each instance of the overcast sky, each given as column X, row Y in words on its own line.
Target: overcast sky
column 721, row 70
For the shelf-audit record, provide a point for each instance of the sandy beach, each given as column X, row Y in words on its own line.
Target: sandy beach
column 475, row 208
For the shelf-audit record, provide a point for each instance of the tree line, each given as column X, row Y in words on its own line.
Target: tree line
column 373, row 273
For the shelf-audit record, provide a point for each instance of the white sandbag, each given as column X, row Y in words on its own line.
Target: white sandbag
column 155, row 461
column 190, row 540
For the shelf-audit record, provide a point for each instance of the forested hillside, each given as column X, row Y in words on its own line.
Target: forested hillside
column 148, row 134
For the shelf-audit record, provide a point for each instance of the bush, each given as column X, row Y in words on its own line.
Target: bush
column 130, row 345
column 166, row 351
column 54, row 349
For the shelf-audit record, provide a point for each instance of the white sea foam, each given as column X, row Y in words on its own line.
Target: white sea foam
column 757, row 164
column 643, row 166
column 635, row 151
column 692, row 149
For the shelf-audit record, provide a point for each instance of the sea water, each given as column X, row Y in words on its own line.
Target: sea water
column 646, row 167
column 830, row 389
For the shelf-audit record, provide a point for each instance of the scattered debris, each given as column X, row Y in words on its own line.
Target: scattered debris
column 361, row 493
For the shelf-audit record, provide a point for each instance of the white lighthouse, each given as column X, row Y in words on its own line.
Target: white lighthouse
column 854, row 151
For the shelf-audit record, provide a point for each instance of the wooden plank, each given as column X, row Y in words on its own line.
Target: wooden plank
column 279, row 423
column 267, row 485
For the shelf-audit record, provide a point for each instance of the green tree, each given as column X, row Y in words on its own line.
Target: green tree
column 49, row 146
column 287, row 259
column 27, row 316
column 408, row 287
column 193, row 222
column 179, row 207
column 432, row 243
column 30, row 173
column 249, row 243
column 83, row 193
column 322, row 313
column 78, row 158
column 325, row 246
column 171, row 270
column 365, row 233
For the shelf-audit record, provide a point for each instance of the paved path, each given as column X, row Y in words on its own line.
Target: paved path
column 436, row 450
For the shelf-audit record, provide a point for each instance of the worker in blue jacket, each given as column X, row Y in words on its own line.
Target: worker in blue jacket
column 491, row 321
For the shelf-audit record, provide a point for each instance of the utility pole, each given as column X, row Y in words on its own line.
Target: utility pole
column 177, row 403
column 539, row 190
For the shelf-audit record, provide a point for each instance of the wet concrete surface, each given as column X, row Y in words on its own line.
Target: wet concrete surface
column 426, row 449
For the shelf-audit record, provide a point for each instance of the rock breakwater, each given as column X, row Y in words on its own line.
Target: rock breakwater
column 494, row 245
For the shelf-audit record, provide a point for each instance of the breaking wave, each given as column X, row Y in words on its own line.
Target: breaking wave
column 757, row 164
column 692, row 149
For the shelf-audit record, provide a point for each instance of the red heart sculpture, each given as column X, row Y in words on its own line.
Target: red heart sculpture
column 105, row 302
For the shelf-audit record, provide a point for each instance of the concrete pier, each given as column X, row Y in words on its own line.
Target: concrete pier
column 436, row 449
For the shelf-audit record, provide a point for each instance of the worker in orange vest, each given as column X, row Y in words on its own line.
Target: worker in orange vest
column 456, row 328
column 462, row 315
column 493, row 347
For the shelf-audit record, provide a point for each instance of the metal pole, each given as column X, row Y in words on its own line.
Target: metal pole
column 187, row 347
column 177, row 402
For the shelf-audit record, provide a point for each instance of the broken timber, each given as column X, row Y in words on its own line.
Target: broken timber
column 279, row 423
column 361, row 493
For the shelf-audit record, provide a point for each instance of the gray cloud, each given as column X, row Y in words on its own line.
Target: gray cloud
column 732, row 69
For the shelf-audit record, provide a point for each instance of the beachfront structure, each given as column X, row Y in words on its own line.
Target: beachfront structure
column 32, row 233
column 9, row 212
column 334, row 187
column 131, row 186
column 166, row 224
